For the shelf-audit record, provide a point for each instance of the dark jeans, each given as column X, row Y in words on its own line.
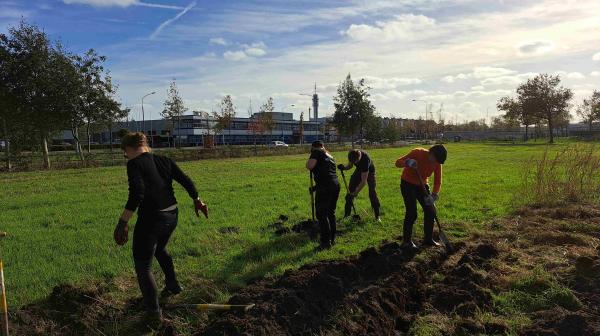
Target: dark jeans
column 326, row 198
column 372, row 184
column 411, row 194
column 152, row 232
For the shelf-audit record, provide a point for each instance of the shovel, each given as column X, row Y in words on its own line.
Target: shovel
column 355, row 216
column 213, row 306
column 443, row 236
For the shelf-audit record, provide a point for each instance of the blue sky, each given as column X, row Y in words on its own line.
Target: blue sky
column 463, row 54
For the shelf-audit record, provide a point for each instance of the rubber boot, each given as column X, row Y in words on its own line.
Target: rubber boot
column 407, row 242
column 428, row 239
column 143, row 269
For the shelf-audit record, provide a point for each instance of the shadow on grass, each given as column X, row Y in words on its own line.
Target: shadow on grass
column 261, row 259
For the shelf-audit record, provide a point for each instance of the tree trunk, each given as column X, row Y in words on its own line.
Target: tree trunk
column 110, row 138
column 551, row 129
column 89, row 141
column 6, row 146
column 44, row 143
column 526, row 132
column 78, row 150
column 590, row 123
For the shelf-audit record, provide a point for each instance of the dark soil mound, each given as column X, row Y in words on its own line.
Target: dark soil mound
column 379, row 292
column 561, row 322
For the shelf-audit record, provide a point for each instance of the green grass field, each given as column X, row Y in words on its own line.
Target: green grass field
column 61, row 222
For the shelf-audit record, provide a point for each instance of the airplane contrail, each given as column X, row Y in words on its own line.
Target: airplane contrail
column 173, row 19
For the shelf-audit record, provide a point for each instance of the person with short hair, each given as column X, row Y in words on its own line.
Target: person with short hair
column 150, row 179
column 425, row 162
column 327, row 191
column 364, row 174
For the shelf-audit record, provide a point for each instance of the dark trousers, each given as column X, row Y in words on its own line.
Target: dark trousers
column 372, row 184
column 411, row 194
column 153, row 230
column 326, row 198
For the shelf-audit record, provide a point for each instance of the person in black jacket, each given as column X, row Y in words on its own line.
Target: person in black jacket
column 151, row 193
column 327, row 190
column 364, row 174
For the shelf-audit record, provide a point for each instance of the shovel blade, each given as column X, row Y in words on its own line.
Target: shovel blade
column 446, row 242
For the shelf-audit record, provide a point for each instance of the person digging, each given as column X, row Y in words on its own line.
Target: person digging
column 326, row 189
column 151, row 192
column 364, row 174
column 427, row 162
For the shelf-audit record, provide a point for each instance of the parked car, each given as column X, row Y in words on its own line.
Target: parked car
column 278, row 144
column 361, row 142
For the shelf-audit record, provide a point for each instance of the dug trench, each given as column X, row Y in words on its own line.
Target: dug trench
column 536, row 272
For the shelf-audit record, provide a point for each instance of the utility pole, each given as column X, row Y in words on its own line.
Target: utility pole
column 144, row 117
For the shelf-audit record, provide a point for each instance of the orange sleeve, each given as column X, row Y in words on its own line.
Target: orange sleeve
column 437, row 178
column 401, row 162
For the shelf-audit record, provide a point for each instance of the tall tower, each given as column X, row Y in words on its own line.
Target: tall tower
column 315, row 100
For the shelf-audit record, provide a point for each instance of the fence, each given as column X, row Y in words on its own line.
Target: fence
column 32, row 161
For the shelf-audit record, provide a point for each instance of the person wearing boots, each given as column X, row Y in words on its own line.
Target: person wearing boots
column 151, row 193
column 426, row 162
column 364, row 174
column 327, row 190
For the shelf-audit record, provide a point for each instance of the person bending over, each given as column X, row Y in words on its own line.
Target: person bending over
column 327, row 190
column 151, row 193
column 364, row 174
column 425, row 162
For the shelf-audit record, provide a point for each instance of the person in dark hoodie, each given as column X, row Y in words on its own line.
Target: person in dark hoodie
column 327, row 191
column 364, row 175
column 151, row 193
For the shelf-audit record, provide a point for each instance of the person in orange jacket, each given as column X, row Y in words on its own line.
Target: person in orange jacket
column 426, row 162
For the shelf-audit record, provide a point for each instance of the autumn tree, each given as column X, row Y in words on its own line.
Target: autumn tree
column 173, row 107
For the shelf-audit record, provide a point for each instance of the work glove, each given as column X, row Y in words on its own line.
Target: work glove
column 121, row 233
column 429, row 200
column 200, row 206
column 341, row 167
column 411, row 163
column 435, row 197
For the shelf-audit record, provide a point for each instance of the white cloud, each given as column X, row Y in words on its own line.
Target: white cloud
column 256, row 52
column 595, row 73
column 596, row 56
column 570, row 75
column 234, row 55
column 403, row 27
column 102, row 3
column 535, row 48
column 452, row 79
column 218, row 41
column 390, row 83
column 121, row 3
column 489, row 72
column 511, row 80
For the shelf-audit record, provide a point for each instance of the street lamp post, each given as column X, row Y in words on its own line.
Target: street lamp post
column 144, row 117
column 425, row 120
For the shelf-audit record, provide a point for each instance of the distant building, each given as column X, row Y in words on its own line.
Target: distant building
column 193, row 130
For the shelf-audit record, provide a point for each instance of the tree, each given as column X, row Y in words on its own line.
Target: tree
column 266, row 116
column 353, row 109
column 544, row 98
column 501, row 123
column 589, row 110
column 41, row 77
column 173, row 106
column 226, row 114
column 515, row 113
column 96, row 98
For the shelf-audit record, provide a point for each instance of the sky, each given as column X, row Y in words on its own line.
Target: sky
column 457, row 56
